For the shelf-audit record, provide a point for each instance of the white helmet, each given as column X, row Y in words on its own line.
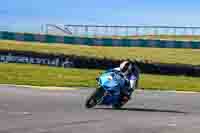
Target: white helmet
column 126, row 67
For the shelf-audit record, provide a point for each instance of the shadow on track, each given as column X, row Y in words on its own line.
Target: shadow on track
column 145, row 110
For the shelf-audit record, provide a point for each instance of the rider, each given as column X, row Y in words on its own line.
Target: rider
column 131, row 73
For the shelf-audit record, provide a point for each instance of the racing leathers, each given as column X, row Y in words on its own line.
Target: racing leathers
column 132, row 79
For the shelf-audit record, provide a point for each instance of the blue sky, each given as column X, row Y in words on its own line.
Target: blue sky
column 30, row 14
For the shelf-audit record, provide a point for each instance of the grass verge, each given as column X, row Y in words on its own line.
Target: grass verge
column 36, row 75
column 161, row 55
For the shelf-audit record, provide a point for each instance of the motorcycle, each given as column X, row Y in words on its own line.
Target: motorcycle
column 109, row 91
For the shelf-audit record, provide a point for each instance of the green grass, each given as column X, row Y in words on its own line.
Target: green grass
column 24, row 74
column 163, row 55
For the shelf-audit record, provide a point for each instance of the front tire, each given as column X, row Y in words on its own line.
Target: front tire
column 92, row 100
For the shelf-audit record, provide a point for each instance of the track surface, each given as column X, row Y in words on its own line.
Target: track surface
column 24, row 110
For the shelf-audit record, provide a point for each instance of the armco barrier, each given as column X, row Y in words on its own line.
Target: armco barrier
column 98, row 41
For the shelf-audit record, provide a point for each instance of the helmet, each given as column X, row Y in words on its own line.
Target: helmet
column 126, row 67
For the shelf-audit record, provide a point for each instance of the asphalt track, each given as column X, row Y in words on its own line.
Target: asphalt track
column 24, row 110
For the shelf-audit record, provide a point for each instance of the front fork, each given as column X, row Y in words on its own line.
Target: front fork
column 100, row 95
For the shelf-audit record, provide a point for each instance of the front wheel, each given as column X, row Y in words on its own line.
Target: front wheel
column 90, row 102
column 93, row 99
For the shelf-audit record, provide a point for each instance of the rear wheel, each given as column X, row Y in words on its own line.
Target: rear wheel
column 117, row 106
column 123, row 100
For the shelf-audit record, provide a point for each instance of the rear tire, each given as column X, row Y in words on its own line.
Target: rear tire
column 120, row 104
column 117, row 106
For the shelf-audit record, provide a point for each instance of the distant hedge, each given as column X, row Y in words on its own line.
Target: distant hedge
column 105, row 63
column 144, row 66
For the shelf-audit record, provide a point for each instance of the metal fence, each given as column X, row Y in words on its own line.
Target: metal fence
column 124, row 31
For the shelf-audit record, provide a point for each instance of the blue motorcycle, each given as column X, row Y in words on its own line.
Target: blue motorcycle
column 109, row 91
